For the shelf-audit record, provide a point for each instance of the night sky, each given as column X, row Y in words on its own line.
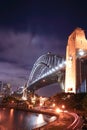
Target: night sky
column 31, row 28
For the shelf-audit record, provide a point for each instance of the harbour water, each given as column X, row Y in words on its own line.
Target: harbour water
column 11, row 119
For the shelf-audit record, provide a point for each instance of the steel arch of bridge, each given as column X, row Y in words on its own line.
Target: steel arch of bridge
column 46, row 66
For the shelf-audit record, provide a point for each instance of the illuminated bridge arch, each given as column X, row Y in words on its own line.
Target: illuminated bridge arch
column 49, row 68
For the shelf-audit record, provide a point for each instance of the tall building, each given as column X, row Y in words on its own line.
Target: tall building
column 76, row 49
column 1, row 86
column 6, row 89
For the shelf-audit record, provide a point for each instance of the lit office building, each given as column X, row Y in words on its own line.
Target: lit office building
column 1, row 86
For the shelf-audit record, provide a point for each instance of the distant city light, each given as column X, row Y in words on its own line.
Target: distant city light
column 53, row 105
column 63, row 106
column 58, row 110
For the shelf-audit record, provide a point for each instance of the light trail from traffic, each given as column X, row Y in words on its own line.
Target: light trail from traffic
column 76, row 124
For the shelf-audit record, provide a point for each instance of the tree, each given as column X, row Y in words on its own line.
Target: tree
column 84, row 103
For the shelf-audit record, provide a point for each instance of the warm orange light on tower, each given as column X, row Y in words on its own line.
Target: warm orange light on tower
column 76, row 48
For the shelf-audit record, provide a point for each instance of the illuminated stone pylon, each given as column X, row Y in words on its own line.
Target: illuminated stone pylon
column 76, row 49
column 24, row 96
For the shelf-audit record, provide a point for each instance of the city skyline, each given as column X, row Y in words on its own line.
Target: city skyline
column 31, row 29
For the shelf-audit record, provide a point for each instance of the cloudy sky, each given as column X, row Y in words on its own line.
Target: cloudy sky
column 30, row 28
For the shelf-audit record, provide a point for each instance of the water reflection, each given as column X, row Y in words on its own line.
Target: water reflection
column 40, row 119
column 11, row 119
column 11, row 112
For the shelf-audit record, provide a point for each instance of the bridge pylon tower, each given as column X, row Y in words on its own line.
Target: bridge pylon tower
column 76, row 49
column 24, row 96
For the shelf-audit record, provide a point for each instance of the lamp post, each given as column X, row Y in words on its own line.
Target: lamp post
column 63, row 107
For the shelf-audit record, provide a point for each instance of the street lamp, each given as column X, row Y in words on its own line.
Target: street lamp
column 58, row 110
column 63, row 107
column 53, row 104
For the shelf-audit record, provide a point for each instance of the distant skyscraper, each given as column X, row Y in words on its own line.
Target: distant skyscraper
column 1, row 86
column 7, row 89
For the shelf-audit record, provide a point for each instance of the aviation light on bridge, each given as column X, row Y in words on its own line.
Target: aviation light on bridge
column 56, row 68
column 53, row 70
column 47, row 73
column 50, row 71
column 60, row 65
column 64, row 62
column 44, row 74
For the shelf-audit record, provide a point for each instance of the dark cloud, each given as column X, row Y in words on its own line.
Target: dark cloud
column 20, row 50
column 12, row 74
column 29, row 29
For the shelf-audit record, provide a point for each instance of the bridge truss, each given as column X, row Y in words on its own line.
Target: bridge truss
column 48, row 69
